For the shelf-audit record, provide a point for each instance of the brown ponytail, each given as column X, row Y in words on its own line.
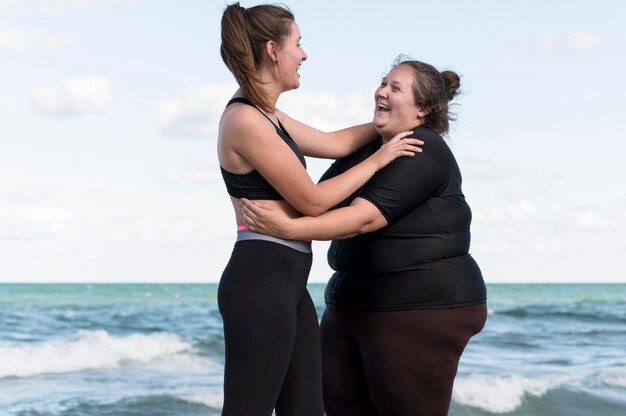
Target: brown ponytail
column 245, row 32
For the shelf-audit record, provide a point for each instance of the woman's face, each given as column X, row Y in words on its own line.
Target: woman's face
column 290, row 56
column 395, row 109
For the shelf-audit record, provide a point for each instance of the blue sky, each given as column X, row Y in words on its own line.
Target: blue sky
column 108, row 115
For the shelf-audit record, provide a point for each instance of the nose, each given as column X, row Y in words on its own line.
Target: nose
column 304, row 55
column 381, row 92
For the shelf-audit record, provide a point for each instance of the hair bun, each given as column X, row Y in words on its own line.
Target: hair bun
column 453, row 83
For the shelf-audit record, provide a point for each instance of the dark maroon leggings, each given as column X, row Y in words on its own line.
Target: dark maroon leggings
column 394, row 363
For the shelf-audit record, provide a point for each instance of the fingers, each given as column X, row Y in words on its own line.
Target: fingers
column 247, row 214
column 406, row 147
column 249, row 218
column 407, row 144
column 400, row 136
column 411, row 145
column 413, row 141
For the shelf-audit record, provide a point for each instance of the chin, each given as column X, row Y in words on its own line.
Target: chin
column 378, row 124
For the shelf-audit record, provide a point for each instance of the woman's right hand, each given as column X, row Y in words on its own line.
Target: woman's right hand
column 399, row 145
column 264, row 218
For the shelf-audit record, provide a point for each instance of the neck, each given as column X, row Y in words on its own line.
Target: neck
column 271, row 86
column 387, row 136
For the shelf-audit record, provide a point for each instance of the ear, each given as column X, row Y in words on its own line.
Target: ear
column 271, row 49
column 422, row 112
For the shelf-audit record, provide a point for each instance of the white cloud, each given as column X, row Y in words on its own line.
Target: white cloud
column 196, row 111
column 486, row 170
column 36, row 224
column 19, row 40
column 191, row 176
column 530, row 213
column 90, row 94
column 580, row 40
column 478, row 169
column 590, row 219
column 520, row 191
column 568, row 41
column 565, row 243
column 169, row 230
column 517, row 212
column 327, row 112
column 611, row 218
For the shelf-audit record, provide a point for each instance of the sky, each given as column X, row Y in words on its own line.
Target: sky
column 109, row 111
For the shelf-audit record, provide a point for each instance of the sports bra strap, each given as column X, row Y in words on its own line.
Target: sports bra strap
column 246, row 101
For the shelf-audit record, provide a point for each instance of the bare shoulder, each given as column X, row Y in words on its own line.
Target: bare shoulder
column 243, row 123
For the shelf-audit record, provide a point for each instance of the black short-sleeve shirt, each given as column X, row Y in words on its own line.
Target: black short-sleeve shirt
column 421, row 259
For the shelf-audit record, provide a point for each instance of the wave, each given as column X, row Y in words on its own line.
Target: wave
column 212, row 398
column 505, row 394
column 614, row 377
column 90, row 350
column 578, row 313
column 502, row 394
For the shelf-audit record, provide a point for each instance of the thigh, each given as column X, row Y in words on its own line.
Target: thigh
column 345, row 388
column 411, row 357
column 301, row 394
column 260, row 321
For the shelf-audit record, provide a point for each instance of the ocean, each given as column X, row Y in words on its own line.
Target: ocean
column 157, row 349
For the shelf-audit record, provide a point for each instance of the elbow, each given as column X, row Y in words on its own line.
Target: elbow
column 372, row 224
column 364, row 228
column 312, row 210
column 312, row 207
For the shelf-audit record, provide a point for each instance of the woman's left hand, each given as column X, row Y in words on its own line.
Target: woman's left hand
column 264, row 218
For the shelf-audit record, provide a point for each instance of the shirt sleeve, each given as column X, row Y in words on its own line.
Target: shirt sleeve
column 408, row 182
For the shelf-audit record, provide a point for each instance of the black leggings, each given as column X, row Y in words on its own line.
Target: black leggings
column 394, row 363
column 271, row 333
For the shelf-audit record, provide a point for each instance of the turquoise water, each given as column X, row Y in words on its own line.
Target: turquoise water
column 158, row 350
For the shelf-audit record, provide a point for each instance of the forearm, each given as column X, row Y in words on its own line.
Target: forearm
column 331, row 192
column 351, row 139
column 359, row 218
column 332, row 225
column 329, row 145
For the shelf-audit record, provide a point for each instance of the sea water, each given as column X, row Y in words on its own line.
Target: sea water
column 153, row 349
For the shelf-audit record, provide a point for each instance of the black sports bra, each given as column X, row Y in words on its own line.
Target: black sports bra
column 253, row 185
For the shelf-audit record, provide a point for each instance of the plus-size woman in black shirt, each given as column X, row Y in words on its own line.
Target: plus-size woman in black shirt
column 406, row 295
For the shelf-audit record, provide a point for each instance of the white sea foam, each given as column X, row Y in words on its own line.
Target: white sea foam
column 498, row 394
column 212, row 398
column 89, row 350
column 615, row 377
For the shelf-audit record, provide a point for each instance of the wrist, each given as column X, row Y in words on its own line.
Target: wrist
column 289, row 229
column 378, row 165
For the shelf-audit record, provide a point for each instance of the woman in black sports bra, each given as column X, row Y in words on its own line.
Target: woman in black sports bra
column 406, row 295
column 270, row 325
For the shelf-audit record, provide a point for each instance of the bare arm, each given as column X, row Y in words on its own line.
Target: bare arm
column 254, row 141
column 328, row 145
column 360, row 217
